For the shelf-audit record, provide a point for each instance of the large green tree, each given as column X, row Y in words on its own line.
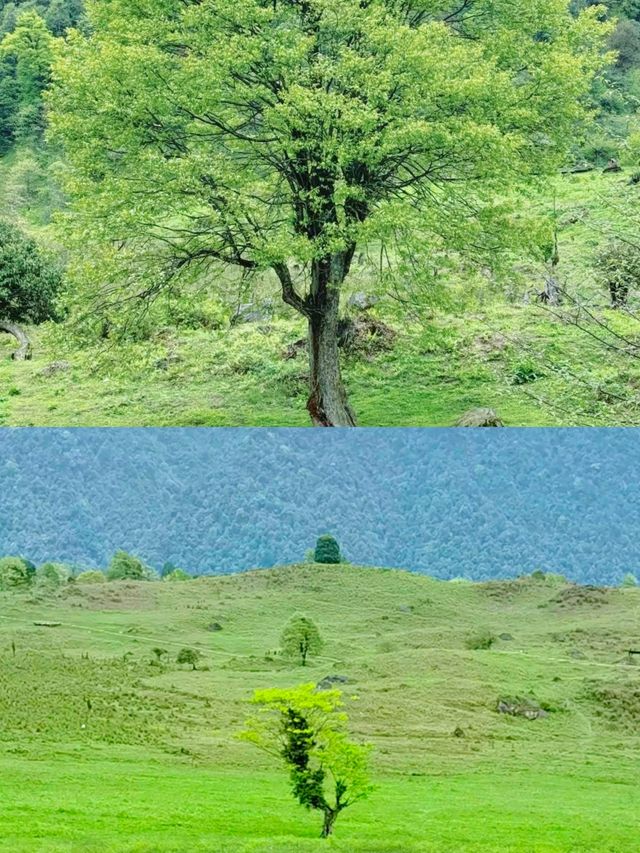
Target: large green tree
column 280, row 135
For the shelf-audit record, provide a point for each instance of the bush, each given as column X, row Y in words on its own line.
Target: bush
column 15, row 573
column 481, row 640
column 91, row 576
column 629, row 580
column 327, row 550
column 52, row 575
column 29, row 284
column 618, row 267
column 125, row 566
column 177, row 575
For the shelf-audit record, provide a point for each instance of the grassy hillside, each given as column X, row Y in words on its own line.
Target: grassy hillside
column 102, row 750
column 537, row 367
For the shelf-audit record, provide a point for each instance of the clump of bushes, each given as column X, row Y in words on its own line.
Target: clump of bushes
column 15, row 573
column 52, row 575
column 125, row 566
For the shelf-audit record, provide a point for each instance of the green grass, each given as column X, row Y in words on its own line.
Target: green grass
column 100, row 749
column 534, row 367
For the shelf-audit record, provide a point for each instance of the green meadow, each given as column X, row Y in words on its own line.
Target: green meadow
column 103, row 747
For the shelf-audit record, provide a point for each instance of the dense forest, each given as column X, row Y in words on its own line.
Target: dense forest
column 447, row 503
column 122, row 157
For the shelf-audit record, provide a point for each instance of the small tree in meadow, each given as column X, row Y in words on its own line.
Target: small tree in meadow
column 327, row 550
column 305, row 730
column 629, row 580
column 189, row 656
column 301, row 638
column 15, row 573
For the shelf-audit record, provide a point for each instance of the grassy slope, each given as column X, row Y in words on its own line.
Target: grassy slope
column 153, row 766
column 436, row 371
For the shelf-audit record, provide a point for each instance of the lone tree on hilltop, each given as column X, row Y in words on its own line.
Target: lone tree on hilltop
column 301, row 638
column 29, row 285
column 279, row 137
column 327, row 550
column 305, row 729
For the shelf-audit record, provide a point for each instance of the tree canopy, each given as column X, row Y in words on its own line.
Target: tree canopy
column 301, row 638
column 277, row 136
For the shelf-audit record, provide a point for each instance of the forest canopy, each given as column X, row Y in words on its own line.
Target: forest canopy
column 449, row 503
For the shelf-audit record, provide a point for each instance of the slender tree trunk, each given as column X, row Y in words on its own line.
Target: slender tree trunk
column 327, row 404
column 330, row 816
column 24, row 349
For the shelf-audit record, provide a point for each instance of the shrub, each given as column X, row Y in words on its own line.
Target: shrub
column 481, row 640
column 327, row 550
column 91, row 576
column 52, row 575
column 177, row 575
column 125, row 566
column 526, row 371
column 29, row 284
column 618, row 267
column 15, row 573
column 629, row 580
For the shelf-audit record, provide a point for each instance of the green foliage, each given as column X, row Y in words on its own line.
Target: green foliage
column 629, row 580
column 29, row 283
column 618, row 266
column 177, row 575
column 327, row 550
column 91, row 576
column 189, row 656
column 52, row 575
column 306, row 729
column 125, row 566
column 348, row 108
column 301, row 638
column 30, row 46
column 15, row 573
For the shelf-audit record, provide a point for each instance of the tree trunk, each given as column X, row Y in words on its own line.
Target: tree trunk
column 327, row 404
column 330, row 816
column 24, row 350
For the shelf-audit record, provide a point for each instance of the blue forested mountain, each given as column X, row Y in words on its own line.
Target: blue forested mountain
column 480, row 503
